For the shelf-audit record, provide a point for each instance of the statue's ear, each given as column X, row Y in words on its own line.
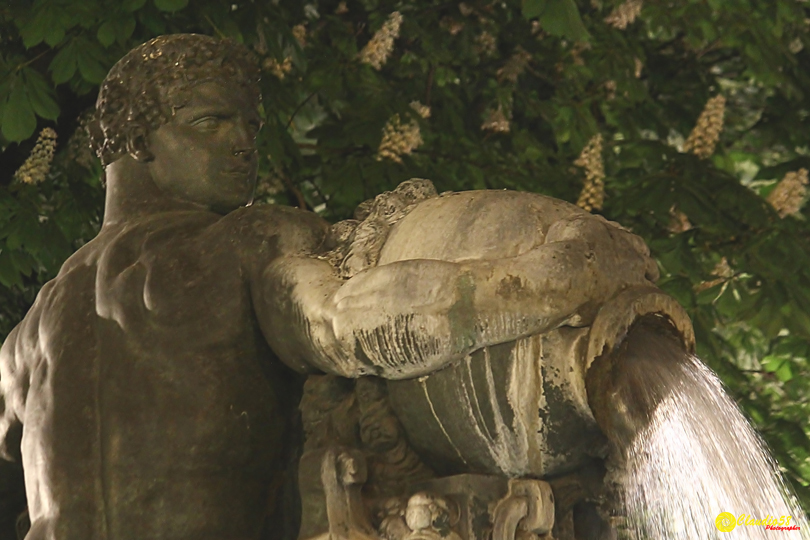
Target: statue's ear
column 138, row 143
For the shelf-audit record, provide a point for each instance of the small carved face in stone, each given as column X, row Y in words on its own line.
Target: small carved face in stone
column 206, row 153
column 426, row 510
column 380, row 432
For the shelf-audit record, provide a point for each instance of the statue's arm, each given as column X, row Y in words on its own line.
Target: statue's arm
column 413, row 317
column 13, row 389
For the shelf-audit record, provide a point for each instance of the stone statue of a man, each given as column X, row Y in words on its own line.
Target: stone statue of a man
column 143, row 391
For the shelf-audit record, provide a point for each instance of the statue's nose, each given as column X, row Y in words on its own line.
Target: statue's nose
column 244, row 152
column 244, row 141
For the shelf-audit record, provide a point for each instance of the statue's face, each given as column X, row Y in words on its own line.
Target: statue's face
column 206, row 154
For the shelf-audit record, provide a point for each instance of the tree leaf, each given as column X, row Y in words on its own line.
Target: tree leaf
column 170, row 5
column 533, row 8
column 88, row 59
column 48, row 24
column 5, row 91
column 40, row 94
column 19, row 121
column 23, row 262
column 153, row 21
column 784, row 372
column 557, row 17
column 126, row 29
column 772, row 363
column 8, row 274
column 132, row 5
column 106, row 33
column 55, row 35
column 34, row 31
column 63, row 65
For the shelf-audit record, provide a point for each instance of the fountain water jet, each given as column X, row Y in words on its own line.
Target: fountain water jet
column 687, row 452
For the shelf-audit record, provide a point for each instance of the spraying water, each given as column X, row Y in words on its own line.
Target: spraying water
column 693, row 468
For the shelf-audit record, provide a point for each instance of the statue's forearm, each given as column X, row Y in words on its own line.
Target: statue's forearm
column 369, row 325
column 469, row 305
column 410, row 318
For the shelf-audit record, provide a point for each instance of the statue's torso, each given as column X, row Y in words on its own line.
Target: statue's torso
column 153, row 410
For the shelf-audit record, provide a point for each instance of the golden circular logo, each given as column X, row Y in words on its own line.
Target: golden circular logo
column 725, row 522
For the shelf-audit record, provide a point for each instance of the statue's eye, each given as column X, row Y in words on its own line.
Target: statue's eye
column 207, row 122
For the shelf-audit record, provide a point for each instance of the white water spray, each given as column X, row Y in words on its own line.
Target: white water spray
column 698, row 458
column 689, row 454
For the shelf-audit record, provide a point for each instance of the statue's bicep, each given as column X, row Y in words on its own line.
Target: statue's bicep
column 13, row 391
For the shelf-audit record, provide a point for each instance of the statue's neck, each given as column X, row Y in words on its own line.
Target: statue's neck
column 132, row 194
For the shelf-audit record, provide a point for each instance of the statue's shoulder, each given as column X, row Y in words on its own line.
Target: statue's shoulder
column 85, row 258
column 288, row 230
column 56, row 305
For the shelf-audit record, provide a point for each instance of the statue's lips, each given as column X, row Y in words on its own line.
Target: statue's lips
column 245, row 174
column 239, row 171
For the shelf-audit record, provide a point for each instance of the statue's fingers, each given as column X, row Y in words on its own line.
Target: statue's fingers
column 649, row 265
column 577, row 227
column 638, row 243
column 651, row 271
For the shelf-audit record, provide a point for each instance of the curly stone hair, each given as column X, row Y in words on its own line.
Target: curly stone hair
column 152, row 79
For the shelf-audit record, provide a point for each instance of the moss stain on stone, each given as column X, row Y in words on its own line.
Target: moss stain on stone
column 461, row 315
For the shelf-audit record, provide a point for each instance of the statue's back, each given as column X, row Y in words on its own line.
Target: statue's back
column 151, row 411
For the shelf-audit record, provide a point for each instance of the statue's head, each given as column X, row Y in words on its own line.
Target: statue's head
column 187, row 106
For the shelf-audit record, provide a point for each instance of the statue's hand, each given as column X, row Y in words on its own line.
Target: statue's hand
column 395, row 320
column 617, row 258
column 389, row 320
column 395, row 287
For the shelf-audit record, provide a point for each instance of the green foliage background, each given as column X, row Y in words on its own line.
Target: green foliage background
column 324, row 123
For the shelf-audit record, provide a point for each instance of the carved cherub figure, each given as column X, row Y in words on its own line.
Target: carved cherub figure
column 147, row 391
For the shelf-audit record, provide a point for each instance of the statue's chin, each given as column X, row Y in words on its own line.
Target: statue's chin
column 224, row 209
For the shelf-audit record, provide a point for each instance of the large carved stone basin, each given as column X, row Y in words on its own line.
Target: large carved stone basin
column 519, row 408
